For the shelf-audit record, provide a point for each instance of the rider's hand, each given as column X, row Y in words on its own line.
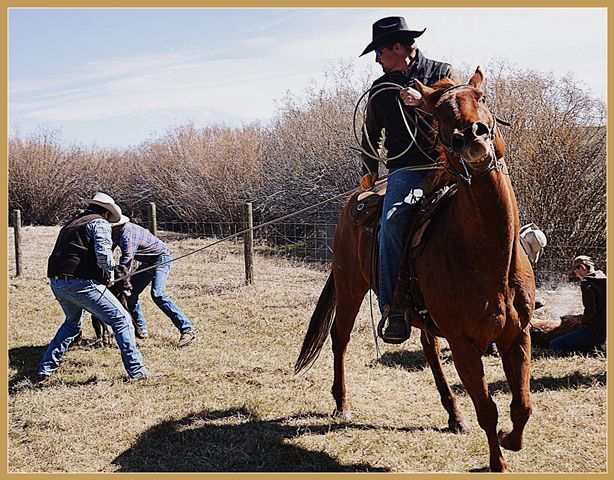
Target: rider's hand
column 368, row 181
column 410, row 97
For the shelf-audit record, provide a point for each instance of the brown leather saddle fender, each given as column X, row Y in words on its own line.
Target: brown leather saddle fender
column 365, row 208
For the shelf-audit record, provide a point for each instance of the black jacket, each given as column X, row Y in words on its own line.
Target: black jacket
column 383, row 113
column 594, row 296
column 73, row 253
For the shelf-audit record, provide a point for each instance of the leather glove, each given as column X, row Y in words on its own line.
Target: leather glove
column 368, row 181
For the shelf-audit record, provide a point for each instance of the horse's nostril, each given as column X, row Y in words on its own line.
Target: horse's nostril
column 480, row 129
column 458, row 142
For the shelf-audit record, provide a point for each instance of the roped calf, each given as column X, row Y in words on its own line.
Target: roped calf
column 122, row 290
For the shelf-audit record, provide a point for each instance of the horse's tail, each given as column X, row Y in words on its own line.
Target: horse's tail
column 319, row 326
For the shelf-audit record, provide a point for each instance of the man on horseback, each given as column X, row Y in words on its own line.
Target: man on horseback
column 408, row 163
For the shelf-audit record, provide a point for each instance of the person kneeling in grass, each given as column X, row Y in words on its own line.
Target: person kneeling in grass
column 591, row 325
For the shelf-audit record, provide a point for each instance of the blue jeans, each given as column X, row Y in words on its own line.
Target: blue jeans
column 578, row 340
column 77, row 295
column 157, row 276
column 403, row 186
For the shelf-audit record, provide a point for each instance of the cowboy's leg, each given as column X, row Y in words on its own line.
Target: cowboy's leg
column 139, row 283
column 394, row 224
column 162, row 300
column 99, row 301
column 65, row 292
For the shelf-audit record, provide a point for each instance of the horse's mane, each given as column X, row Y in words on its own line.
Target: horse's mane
column 444, row 83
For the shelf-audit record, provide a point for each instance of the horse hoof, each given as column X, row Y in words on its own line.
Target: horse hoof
column 506, row 441
column 345, row 415
column 458, row 427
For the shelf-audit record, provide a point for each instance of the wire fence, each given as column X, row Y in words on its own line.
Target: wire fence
column 310, row 239
column 313, row 242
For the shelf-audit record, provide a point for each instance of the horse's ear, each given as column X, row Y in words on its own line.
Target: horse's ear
column 426, row 92
column 477, row 78
column 423, row 89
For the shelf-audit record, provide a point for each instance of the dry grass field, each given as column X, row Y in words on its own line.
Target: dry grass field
column 230, row 402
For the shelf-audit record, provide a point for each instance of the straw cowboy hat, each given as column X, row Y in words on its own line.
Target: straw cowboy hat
column 389, row 30
column 105, row 201
column 533, row 241
column 580, row 260
column 121, row 221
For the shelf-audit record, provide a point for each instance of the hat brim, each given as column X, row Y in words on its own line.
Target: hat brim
column 116, row 212
column 389, row 37
column 122, row 221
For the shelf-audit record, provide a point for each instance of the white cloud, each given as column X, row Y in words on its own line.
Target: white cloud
column 242, row 78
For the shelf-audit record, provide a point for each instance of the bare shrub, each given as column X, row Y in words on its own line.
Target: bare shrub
column 198, row 175
column 556, row 149
column 46, row 179
column 308, row 152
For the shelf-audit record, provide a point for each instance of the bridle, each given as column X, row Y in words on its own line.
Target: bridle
column 478, row 168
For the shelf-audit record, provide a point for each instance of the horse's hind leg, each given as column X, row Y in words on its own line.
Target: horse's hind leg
column 430, row 346
column 345, row 315
column 517, row 364
column 468, row 362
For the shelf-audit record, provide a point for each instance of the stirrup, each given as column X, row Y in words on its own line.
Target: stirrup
column 382, row 322
column 397, row 339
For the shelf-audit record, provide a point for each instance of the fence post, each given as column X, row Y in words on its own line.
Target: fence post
column 248, row 244
column 17, row 229
column 153, row 224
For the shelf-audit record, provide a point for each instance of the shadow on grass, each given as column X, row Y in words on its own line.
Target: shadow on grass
column 542, row 384
column 410, row 360
column 232, row 440
column 415, row 361
column 25, row 360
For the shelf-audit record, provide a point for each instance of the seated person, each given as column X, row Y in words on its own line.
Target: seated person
column 591, row 325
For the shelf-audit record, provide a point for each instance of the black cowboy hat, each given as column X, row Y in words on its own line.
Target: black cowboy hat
column 389, row 30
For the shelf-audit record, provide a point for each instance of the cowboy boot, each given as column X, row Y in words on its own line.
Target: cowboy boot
column 393, row 327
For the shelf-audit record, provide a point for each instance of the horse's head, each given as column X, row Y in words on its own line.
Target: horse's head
column 467, row 128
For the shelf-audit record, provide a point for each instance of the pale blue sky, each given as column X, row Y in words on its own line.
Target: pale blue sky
column 115, row 77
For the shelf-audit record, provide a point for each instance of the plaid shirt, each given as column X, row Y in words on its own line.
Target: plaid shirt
column 100, row 232
column 138, row 243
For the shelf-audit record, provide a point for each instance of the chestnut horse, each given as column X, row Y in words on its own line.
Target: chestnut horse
column 476, row 280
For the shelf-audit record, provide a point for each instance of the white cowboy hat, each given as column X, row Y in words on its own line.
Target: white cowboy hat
column 105, row 201
column 533, row 241
column 121, row 221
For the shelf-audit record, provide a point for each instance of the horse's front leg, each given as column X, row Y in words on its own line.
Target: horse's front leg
column 468, row 362
column 345, row 315
column 517, row 365
column 430, row 346
column 106, row 336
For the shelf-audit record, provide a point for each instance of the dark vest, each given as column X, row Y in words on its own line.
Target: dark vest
column 73, row 253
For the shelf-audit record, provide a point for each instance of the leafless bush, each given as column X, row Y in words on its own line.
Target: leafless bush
column 46, row 178
column 555, row 150
column 200, row 174
column 308, row 152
